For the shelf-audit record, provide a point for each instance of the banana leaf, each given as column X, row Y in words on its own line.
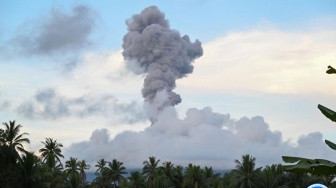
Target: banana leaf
column 313, row 166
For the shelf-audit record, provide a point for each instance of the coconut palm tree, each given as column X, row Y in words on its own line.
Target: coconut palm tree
column 72, row 172
column 136, row 180
column 297, row 180
column 210, row 177
column 51, row 152
column 161, row 180
column 28, row 168
column 101, row 163
column 12, row 138
column 149, row 170
column 116, row 171
column 193, row 177
column 273, row 176
column 168, row 168
column 82, row 166
column 102, row 180
column 245, row 174
column 228, row 178
column 71, row 166
column 178, row 176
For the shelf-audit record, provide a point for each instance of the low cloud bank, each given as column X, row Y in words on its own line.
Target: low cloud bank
column 203, row 137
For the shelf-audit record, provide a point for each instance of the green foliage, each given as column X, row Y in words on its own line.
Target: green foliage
column 116, row 170
column 330, row 144
column 12, row 138
column 51, row 152
column 314, row 166
column 245, row 173
column 47, row 171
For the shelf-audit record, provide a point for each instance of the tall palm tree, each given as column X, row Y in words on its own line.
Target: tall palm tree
column 168, row 168
column 297, row 180
column 245, row 173
column 72, row 172
column 102, row 180
column 82, row 166
column 178, row 176
column 161, row 180
column 101, row 163
column 71, row 166
column 194, row 176
column 273, row 176
column 210, row 177
column 136, row 180
column 228, row 178
column 12, row 138
column 51, row 152
column 149, row 170
column 28, row 165
column 116, row 171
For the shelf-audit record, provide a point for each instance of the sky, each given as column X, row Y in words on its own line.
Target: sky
column 192, row 81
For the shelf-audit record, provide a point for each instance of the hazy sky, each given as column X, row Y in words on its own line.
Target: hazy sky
column 255, row 89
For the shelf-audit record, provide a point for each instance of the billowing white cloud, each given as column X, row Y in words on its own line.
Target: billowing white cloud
column 268, row 61
column 202, row 137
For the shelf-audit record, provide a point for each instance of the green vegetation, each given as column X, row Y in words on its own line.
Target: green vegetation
column 22, row 169
column 315, row 166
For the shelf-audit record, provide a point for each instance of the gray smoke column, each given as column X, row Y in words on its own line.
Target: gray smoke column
column 161, row 53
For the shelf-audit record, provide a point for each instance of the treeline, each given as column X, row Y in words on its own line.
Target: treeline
column 22, row 169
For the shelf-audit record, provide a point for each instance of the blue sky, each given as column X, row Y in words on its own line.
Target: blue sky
column 263, row 63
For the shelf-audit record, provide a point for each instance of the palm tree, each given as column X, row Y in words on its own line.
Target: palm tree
column 12, row 138
column 136, row 180
column 193, row 176
column 178, row 176
column 102, row 180
column 82, row 166
column 71, row 166
column 116, row 171
column 168, row 168
column 72, row 172
column 228, row 178
column 51, row 152
column 161, row 180
column 245, row 173
column 273, row 176
column 28, row 165
column 297, row 180
column 101, row 163
column 150, row 169
column 210, row 177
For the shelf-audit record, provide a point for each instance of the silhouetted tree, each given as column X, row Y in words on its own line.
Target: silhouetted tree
column 245, row 175
column 51, row 152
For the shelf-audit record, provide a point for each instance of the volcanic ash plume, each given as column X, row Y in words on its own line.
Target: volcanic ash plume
column 161, row 53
